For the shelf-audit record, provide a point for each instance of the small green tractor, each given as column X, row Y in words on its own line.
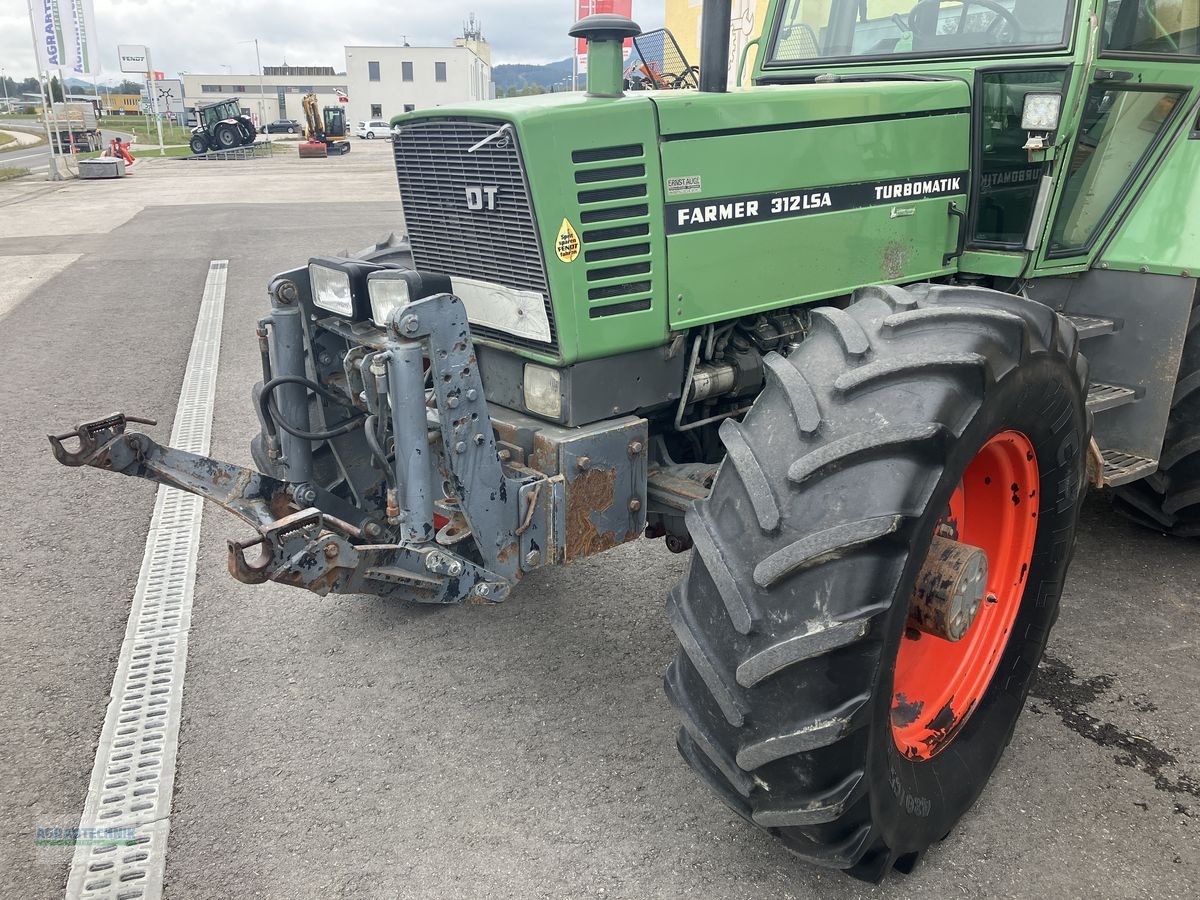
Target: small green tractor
column 859, row 337
column 221, row 126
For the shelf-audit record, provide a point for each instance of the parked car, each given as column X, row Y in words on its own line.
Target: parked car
column 281, row 126
column 379, row 127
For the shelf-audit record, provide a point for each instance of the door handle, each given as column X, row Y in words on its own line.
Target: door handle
column 961, row 245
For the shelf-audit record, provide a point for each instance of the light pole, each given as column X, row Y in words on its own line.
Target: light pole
column 4, row 81
column 262, row 114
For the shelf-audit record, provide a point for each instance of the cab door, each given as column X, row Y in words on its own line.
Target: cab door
column 1140, row 94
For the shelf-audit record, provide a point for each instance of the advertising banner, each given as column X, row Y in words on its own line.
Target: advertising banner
column 51, row 41
column 585, row 8
column 84, row 58
column 66, row 36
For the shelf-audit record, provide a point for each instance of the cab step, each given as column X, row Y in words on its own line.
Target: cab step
column 1091, row 326
column 1122, row 468
column 1103, row 396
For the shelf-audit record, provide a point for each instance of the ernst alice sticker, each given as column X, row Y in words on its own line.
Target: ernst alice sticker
column 566, row 245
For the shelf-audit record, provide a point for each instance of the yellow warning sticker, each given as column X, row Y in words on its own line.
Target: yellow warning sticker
column 566, row 245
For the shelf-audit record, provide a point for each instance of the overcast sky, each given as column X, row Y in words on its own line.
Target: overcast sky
column 203, row 35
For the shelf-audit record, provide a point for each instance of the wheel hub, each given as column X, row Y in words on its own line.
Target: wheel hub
column 950, row 589
column 967, row 596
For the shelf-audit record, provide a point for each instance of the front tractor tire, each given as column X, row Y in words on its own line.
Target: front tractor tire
column 810, row 699
column 198, row 144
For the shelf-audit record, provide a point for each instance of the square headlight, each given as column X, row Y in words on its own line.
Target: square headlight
column 331, row 289
column 1042, row 112
column 543, row 391
column 390, row 289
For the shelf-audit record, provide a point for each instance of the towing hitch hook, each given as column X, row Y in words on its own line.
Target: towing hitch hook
column 92, row 436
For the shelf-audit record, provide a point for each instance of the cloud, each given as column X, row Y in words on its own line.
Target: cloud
column 204, row 37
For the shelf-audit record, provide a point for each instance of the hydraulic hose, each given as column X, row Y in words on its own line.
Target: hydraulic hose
column 271, row 412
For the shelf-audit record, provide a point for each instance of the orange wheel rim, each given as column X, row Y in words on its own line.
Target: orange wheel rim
column 939, row 683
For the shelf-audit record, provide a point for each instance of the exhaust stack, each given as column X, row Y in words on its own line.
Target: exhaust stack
column 605, row 34
column 714, row 46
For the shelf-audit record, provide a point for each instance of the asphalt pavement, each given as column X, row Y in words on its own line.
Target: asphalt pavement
column 355, row 747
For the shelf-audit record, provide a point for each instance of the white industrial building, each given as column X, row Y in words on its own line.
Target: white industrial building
column 385, row 81
column 282, row 89
column 380, row 82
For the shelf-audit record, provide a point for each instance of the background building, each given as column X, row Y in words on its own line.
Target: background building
column 748, row 17
column 283, row 88
column 386, row 81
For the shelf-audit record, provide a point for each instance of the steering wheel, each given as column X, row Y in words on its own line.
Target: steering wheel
column 1009, row 19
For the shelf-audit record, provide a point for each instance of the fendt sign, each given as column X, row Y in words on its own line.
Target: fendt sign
column 133, row 58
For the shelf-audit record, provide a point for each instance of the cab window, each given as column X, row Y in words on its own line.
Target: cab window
column 810, row 30
column 1153, row 27
column 1120, row 127
column 1008, row 182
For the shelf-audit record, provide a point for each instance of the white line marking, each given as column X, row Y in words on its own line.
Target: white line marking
column 134, row 773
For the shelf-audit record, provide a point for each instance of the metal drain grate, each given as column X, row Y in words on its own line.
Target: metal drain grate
column 134, row 771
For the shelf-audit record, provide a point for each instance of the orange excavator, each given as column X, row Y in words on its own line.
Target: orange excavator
column 324, row 130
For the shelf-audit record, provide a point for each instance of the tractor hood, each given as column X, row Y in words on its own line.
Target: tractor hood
column 767, row 108
column 634, row 216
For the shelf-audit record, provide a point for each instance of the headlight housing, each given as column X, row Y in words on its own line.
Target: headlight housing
column 543, row 390
column 331, row 288
column 390, row 289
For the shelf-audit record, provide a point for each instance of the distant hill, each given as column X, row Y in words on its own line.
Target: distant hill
column 546, row 76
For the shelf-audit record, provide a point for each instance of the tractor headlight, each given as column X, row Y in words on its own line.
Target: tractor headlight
column 331, row 288
column 543, row 391
column 388, row 291
column 1042, row 112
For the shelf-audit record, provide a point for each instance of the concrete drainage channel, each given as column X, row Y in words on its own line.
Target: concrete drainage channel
column 129, row 797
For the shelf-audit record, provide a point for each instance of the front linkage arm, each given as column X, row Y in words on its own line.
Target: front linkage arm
column 315, row 540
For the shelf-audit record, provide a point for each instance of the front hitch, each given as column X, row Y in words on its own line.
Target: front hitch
column 301, row 547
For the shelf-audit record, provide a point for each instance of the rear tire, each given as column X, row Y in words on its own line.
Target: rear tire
column 1169, row 500
column 793, row 612
column 228, row 137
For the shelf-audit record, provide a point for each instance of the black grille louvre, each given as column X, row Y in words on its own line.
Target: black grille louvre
column 615, row 174
column 500, row 245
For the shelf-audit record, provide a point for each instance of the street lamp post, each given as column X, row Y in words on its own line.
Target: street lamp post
column 262, row 114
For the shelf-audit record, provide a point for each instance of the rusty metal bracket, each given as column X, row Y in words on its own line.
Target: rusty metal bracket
column 104, row 444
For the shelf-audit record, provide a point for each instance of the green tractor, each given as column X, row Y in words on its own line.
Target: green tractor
column 859, row 338
column 221, row 126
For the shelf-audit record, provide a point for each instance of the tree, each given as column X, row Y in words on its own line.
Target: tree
column 128, row 87
column 56, row 91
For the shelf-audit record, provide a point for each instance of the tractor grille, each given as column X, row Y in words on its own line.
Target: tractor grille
column 615, row 219
column 496, row 242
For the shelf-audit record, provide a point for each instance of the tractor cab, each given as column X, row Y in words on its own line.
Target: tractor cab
column 1073, row 102
column 210, row 116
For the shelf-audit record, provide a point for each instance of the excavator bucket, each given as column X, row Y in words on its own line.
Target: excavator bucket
column 313, row 150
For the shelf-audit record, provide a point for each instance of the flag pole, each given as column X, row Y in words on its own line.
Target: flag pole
column 52, row 174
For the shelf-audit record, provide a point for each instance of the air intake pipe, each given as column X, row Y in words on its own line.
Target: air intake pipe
column 714, row 46
column 605, row 34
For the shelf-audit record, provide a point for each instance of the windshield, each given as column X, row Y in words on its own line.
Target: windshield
column 227, row 110
column 813, row 30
